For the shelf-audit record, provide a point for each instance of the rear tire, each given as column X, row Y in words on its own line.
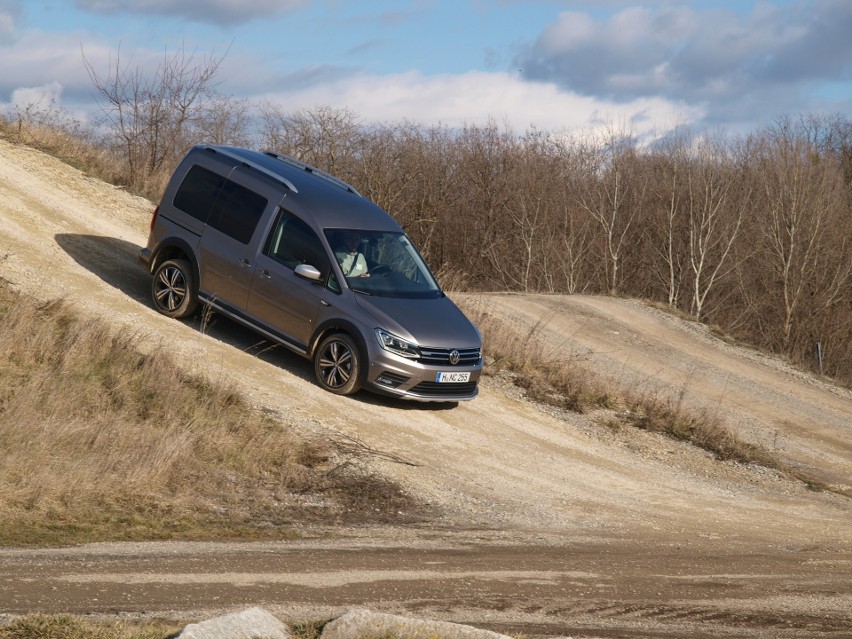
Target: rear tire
column 337, row 364
column 173, row 289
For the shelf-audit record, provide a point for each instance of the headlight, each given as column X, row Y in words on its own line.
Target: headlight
column 397, row 345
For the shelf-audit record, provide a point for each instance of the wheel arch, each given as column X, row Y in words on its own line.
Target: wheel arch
column 175, row 249
column 329, row 327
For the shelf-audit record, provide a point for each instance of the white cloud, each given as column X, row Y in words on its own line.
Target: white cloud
column 40, row 98
column 477, row 97
column 37, row 58
column 570, row 30
column 34, row 102
column 769, row 58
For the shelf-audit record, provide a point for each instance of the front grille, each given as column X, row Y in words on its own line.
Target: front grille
column 434, row 389
column 441, row 356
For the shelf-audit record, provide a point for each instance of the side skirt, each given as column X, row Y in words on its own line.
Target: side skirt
column 242, row 318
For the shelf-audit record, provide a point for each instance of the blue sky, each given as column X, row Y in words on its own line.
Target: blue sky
column 552, row 64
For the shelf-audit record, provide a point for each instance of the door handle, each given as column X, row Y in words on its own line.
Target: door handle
column 245, row 263
column 265, row 274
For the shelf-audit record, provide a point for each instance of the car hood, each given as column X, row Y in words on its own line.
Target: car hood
column 435, row 322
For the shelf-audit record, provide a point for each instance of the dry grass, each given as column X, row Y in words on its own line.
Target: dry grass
column 99, row 441
column 708, row 431
column 544, row 375
column 71, row 627
column 51, row 130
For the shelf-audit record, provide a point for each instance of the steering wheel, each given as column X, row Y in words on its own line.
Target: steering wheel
column 381, row 269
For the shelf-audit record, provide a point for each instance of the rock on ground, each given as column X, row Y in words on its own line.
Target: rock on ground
column 252, row 623
column 257, row 623
column 363, row 624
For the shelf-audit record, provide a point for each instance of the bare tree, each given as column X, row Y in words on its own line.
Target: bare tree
column 388, row 165
column 606, row 192
column 149, row 113
column 483, row 158
column 407, row 170
column 801, row 191
column 715, row 215
column 224, row 120
column 669, row 166
column 573, row 250
column 513, row 253
column 521, row 259
column 326, row 137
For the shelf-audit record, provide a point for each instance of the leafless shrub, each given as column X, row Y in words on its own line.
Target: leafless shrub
column 453, row 279
column 150, row 114
column 325, row 137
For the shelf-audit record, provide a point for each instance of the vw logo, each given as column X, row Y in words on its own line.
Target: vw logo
column 454, row 357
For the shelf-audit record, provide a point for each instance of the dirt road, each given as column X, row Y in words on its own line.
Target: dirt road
column 643, row 535
column 552, row 587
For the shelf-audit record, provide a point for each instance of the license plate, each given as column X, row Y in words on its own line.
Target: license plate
column 453, row 378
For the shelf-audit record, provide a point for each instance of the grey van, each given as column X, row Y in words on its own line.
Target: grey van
column 306, row 261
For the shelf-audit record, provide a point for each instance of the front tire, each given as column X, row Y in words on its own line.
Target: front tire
column 337, row 364
column 173, row 289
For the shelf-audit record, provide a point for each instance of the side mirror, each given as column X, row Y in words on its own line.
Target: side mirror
column 308, row 272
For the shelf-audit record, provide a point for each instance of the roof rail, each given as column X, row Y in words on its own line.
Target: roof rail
column 313, row 170
column 244, row 162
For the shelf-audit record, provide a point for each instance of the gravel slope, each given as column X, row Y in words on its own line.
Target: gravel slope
column 800, row 419
column 499, row 463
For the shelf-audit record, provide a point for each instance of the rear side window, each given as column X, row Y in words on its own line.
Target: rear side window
column 237, row 211
column 220, row 203
column 198, row 191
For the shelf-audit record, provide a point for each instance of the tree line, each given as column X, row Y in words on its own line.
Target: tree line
column 751, row 233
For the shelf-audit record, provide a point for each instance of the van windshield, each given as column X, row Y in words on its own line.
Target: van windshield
column 382, row 263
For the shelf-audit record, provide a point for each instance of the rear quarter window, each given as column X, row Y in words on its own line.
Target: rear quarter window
column 198, row 192
column 220, row 203
column 237, row 211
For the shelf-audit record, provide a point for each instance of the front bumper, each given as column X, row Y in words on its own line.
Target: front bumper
column 409, row 379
